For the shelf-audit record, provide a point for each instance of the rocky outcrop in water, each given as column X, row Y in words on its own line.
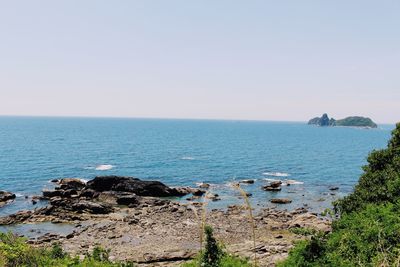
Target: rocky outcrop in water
column 6, row 197
column 133, row 185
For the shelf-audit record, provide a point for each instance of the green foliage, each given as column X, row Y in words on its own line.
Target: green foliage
column 214, row 256
column 226, row 261
column 380, row 182
column 370, row 237
column 100, row 254
column 15, row 252
column 368, row 230
column 213, row 253
column 356, row 121
column 57, row 252
column 303, row 231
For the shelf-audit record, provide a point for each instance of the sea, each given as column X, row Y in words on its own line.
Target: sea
column 35, row 150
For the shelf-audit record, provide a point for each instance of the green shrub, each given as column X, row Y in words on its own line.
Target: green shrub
column 15, row 252
column 380, row 182
column 303, row 231
column 368, row 230
column 214, row 255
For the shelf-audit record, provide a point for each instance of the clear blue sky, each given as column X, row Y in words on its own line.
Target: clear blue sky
column 265, row 60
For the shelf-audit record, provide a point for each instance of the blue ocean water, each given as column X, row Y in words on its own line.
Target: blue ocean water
column 184, row 152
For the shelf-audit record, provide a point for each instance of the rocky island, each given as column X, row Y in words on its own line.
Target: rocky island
column 353, row 121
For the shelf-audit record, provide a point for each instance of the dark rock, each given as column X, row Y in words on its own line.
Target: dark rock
column 52, row 193
column 118, row 198
column 281, row 201
column 55, row 181
column 133, row 185
column 213, row 197
column 198, row 192
column 204, row 185
column 270, row 188
column 18, row 217
column 275, row 184
column 247, row 181
column 333, row 188
column 71, row 183
column 91, row 207
column 130, row 200
column 6, row 196
column 89, row 193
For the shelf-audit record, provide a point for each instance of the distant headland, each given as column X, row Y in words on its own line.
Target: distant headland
column 354, row 121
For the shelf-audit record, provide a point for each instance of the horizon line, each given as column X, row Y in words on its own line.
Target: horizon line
column 163, row 118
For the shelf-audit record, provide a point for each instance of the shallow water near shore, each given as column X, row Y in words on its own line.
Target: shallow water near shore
column 34, row 230
column 185, row 152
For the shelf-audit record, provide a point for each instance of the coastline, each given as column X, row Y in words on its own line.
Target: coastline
column 153, row 231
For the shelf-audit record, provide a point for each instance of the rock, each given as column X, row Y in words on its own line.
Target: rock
column 55, row 181
column 204, row 185
column 309, row 220
column 91, row 207
column 198, row 192
column 52, row 193
column 168, row 256
column 133, row 185
column 72, row 183
column 275, row 184
column 6, row 197
column 270, row 188
column 89, row 193
column 213, row 197
column 118, row 198
column 128, row 200
column 281, row 200
column 247, row 181
column 333, row 188
column 18, row 217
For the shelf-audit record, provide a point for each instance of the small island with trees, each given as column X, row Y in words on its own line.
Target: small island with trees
column 354, row 121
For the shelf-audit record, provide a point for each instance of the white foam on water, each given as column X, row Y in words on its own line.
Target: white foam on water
column 276, row 174
column 293, row 182
column 90, row 168
column 284, row 182
column 18, row 195
column 187, row 158
column 104, row 167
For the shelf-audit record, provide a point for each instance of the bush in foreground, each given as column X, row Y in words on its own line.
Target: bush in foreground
column 213, row 255
column 15, row 252
column 368, row 230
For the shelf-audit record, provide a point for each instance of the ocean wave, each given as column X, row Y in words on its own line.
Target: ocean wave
column 187, row 158
column 104, row 167
column 18, row 195
column 276, row 174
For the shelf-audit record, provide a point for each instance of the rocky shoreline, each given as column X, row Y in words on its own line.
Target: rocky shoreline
column 136, row 221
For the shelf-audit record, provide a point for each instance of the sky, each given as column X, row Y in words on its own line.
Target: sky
column 225, row 59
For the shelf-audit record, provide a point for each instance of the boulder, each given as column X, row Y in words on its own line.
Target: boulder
column 275, row 184
column 204, row 185
column 52, row 193
column 334, row 188
column 133, row 185
column 247, row 181
column 91, row 207
column 118, row 198
column 281, row 201
column 6, row 196
column 270, row 188
column 72, row 183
